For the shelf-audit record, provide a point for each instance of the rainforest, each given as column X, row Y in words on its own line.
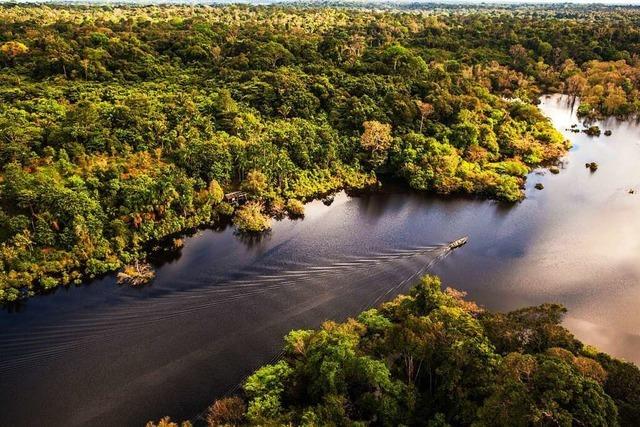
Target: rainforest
column 122, row 126
column 125, row 129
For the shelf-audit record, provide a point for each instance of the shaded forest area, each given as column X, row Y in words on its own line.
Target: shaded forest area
column 120, row 126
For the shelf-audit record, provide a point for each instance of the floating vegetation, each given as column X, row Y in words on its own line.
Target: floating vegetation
column 592, row 131
column 138, row 274
column 177, row 243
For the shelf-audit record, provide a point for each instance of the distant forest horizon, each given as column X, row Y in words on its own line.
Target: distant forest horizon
column 359, row 3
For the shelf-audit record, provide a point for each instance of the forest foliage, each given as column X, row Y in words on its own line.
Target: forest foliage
column 120, row 126
column 432, row 358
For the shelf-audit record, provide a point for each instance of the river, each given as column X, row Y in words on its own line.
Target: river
column 103, row 354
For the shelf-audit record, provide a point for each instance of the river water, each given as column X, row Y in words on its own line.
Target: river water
column 102, row 354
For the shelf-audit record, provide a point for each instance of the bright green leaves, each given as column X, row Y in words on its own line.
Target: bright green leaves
column 264, row 389
column 429, row 358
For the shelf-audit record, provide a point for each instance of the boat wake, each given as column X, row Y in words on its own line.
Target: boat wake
column 203, row 296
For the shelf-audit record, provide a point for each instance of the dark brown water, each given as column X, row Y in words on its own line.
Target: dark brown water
column 109, row 355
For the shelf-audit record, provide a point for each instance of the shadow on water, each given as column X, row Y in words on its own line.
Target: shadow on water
column 253, row 239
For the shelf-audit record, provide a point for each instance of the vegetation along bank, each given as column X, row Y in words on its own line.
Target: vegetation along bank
column 120, row 126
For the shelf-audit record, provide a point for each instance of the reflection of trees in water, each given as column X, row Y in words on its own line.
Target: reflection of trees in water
column 571, row 101
column 376, row 207
column 504, row 207
column 253, row 239
column 166, row 255
column 166, row 251
column 16, row 306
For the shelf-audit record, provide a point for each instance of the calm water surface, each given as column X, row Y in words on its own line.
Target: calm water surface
column 109, row 355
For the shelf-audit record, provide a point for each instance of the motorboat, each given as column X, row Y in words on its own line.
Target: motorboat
column 458, row 242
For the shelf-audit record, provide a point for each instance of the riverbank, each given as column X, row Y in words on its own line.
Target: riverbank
column 121, row 135
column 224, row 301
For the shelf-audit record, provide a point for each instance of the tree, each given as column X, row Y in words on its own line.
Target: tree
column 256, row 183
column 615, row 101
column 544, row 390
column 519, row 56
column 271, row 54
column 251, row 219
column 215, row 192
column 13, row 49
column 576, row 84
column 529, row 330
column 623, row 385
column 376, row 139
column 265, row 388
column 425, row 109
column 227, row 411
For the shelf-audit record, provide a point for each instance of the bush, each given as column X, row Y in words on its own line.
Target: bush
column 250, row 219
column 584, row 109
column 136, row 275
column 224, row 209
column 166, row 422
column 227, row 411
column 277, row 207
column 593, row 131
column 295, row 208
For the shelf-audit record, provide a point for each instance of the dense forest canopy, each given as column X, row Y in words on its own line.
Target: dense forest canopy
column 432, row 358
column 120, row 126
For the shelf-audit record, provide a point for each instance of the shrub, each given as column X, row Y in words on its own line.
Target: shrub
column 166, row 422
column 249, row 218
column 216, row 192
column 277, row 207
column 295, row 208
column 136, row 275
column 226, row 411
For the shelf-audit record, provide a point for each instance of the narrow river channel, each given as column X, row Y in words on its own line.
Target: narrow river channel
column 107, row 355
